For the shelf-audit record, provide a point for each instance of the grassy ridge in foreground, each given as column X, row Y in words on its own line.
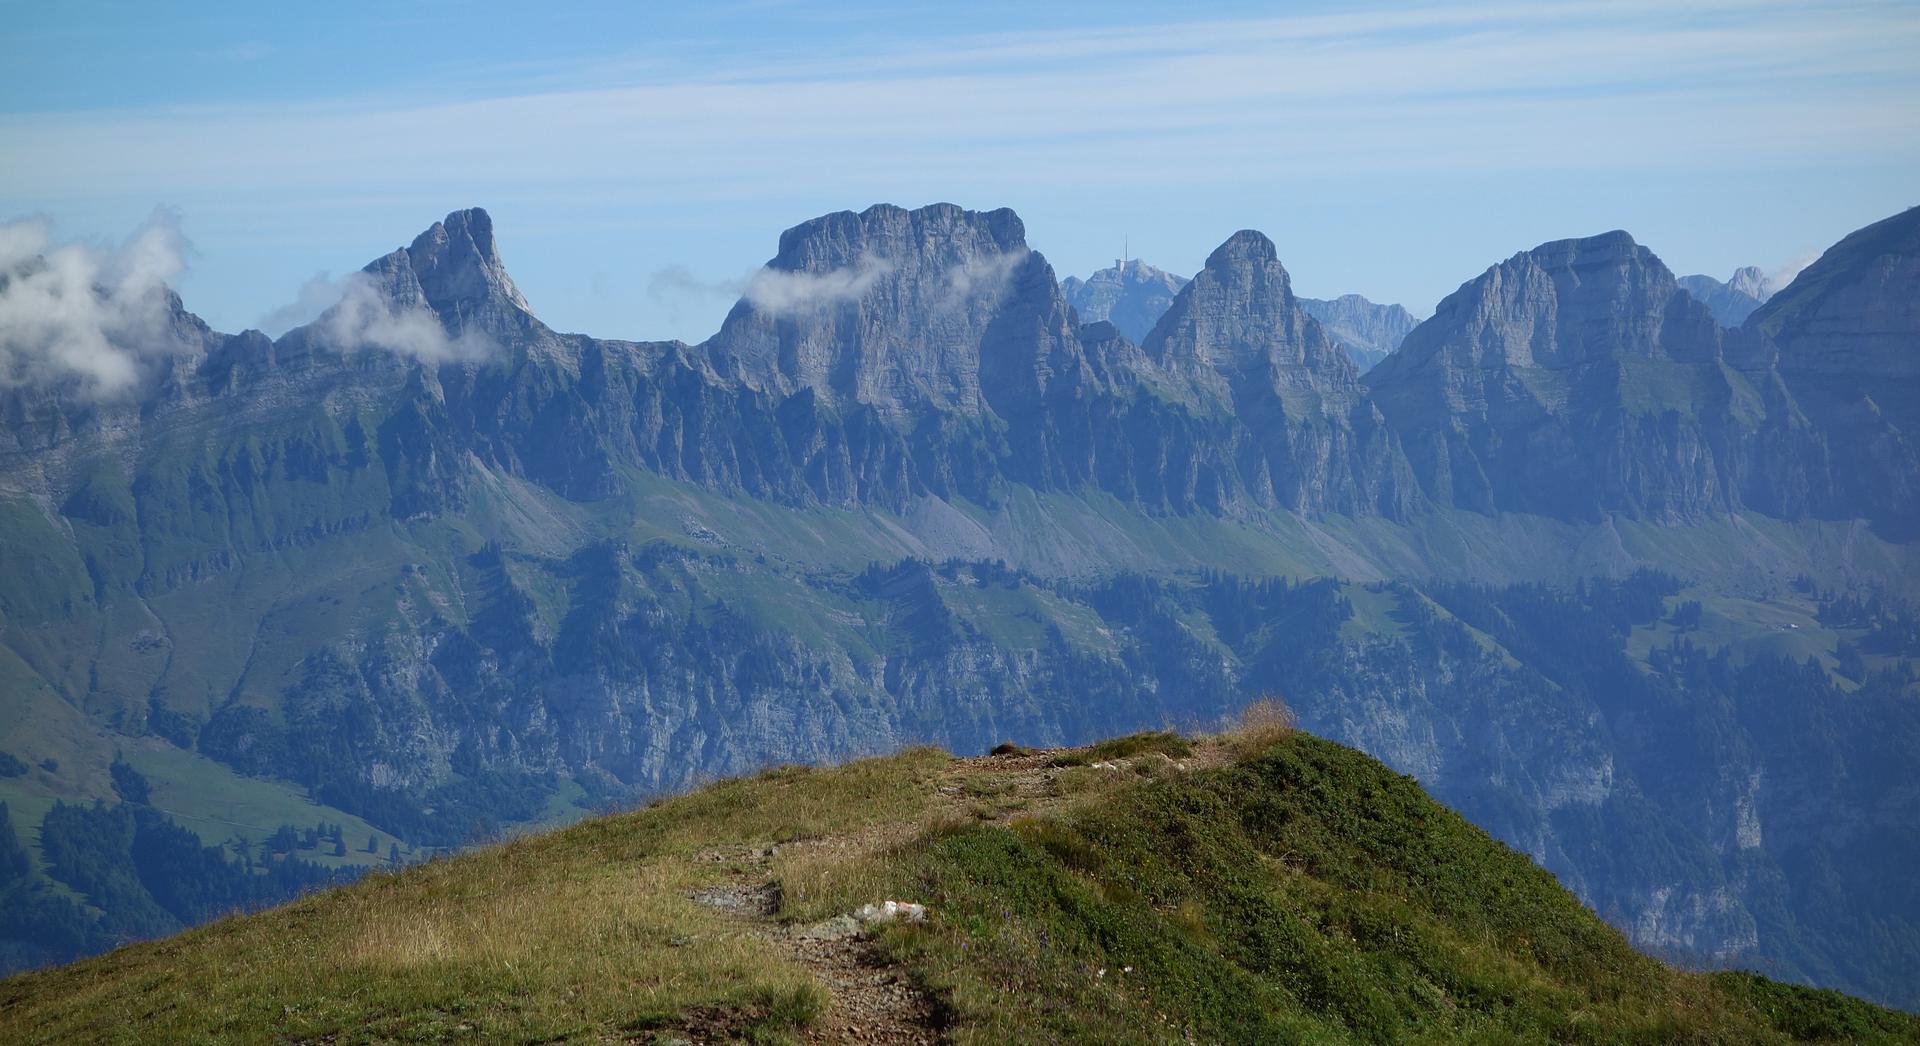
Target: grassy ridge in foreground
column 1270, row 888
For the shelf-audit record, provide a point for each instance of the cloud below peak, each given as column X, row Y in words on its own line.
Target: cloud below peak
column 84, row 313
column 780, row 291
column 350, row 313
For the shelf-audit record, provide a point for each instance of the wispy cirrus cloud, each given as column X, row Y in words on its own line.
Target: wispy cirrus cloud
column 1432, row 87
column 1463, row 128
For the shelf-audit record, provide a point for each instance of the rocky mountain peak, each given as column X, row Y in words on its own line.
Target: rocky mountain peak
column 1131, row 295
column 458, row 264
column 1564, row 304
column 1733, row 301
column 938, row 306
column 1245, row 248
column 452, row 270
column 1750, row 281
column 1571, row 344
column 1238, row 317
column 936, row 232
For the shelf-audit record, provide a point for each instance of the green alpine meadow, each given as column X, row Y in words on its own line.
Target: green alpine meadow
column 1259, row 886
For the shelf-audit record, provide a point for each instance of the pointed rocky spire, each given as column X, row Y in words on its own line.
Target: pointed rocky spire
column 458, row 264
column 454, row 269
column 1237, row 325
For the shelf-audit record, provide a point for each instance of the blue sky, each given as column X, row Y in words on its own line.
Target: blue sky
column 1392, row 150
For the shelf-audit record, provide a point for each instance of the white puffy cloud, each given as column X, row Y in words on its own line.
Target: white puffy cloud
column 779, row 291
column 316, row 296
column 87, row 313
column 351, row 314
column 985, row 274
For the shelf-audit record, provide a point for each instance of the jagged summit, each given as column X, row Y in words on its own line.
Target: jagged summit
column 458, row 264
column 1239, row 314
column 1238, row 338
column 1733, row 301
column 1573, row 379
column 454, row 269
column 895, row 308
column 1749, row 280
column 1559, row 305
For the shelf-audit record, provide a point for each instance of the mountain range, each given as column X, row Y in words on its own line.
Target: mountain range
column 1592, row 565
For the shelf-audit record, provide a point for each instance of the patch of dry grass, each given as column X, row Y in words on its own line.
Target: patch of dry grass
column 581, row 935
column 1263, row 723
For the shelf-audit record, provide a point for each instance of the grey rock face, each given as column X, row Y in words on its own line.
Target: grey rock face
column 1578, row 379
column 1238, row 334
column 1132, row 296
column 1733, row 301
column 938, row 308
column 1847, row 334
column 1367, row 331
column 1237, row 338
column 451, row 279
column 1852, row 318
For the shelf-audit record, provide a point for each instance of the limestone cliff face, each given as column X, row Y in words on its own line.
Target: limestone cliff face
column 1578, row 379
column 1847, row 336
column 1237, row 342
column 1237, row 327
column 937, row 308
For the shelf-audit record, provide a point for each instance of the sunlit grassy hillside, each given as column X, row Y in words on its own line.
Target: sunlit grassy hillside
column 1262, row 886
